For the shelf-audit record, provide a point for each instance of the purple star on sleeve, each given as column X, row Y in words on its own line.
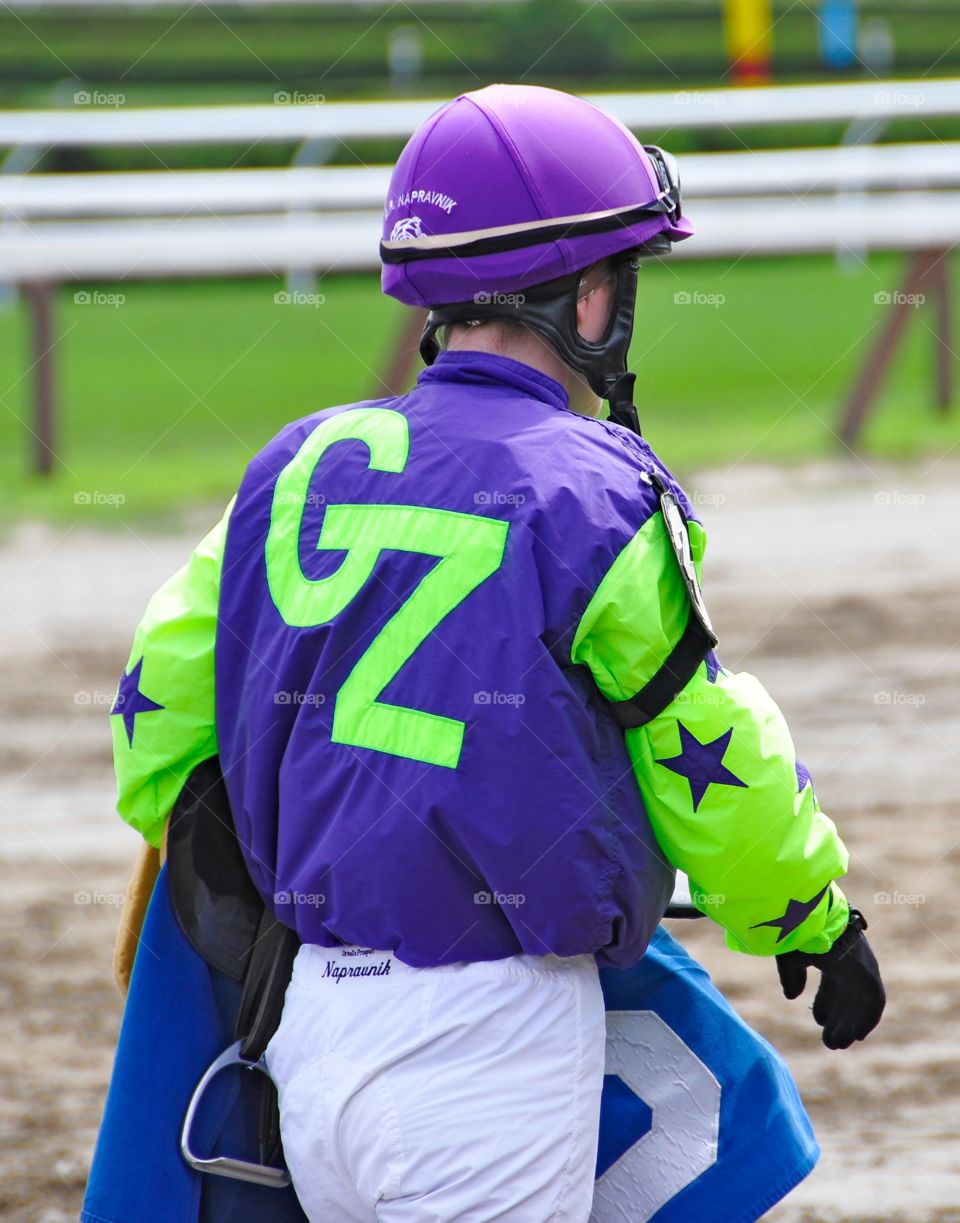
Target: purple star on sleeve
column 702, row 763
column 796, row 914
column 131, row 701
column 803, row 776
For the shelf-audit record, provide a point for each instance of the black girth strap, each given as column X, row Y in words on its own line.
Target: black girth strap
column 226, row 922
column 265, row 981
column 269, row 968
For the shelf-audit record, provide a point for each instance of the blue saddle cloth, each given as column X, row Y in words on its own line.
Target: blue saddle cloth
column 179, row 1016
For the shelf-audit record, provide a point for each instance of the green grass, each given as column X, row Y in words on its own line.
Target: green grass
column 764, row 374
column 232, row 52
column 162, row 399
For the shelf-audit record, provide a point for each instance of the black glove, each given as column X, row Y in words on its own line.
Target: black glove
column 850, row 999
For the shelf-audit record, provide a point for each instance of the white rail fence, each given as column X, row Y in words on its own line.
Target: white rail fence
column 59, row 228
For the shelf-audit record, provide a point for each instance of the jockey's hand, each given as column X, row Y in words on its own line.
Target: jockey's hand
column 851, row 997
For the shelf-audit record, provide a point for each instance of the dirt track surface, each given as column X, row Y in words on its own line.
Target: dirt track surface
column 837, row 586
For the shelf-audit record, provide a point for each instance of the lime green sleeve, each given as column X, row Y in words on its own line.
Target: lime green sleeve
column 163, row 718
column 729, row 805
column 727, row 800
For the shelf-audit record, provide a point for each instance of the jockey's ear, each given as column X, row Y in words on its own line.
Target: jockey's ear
column 595, row 300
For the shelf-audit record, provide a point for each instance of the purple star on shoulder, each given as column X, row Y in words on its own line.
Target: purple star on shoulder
column 702, row 763
column 131, row 701
column 797, row 913
column 803, row 776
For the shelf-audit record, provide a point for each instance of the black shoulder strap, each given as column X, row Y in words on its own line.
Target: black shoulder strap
column 671, row 679
column 697, row 639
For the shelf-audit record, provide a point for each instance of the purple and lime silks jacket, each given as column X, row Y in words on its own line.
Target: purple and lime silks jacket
column 429, row 643
column 430, row 759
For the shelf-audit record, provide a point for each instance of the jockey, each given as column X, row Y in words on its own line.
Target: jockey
column 453, row 654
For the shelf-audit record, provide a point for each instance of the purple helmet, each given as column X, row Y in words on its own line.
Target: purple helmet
column 503, row 197
column 514, row 185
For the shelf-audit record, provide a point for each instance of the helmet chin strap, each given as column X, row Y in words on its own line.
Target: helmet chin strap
column 623, row 411
column 551, row 310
